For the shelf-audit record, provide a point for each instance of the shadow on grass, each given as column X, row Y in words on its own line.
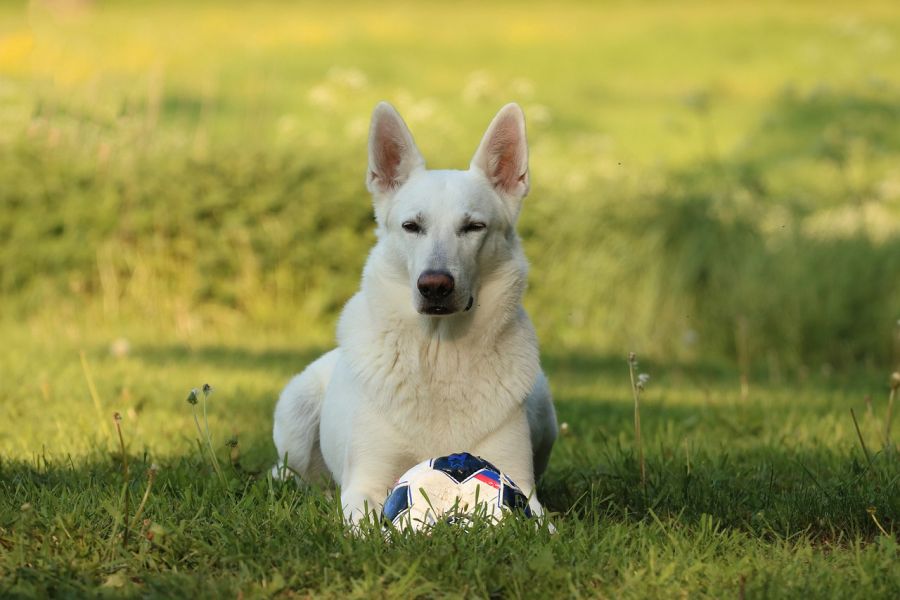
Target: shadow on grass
column 707, row 374
column 782, row 492
column 819, row 494
column 285, row 361
column 736, row 473
column 565, row 364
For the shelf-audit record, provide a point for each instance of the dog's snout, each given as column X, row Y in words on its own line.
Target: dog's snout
column 435, row 285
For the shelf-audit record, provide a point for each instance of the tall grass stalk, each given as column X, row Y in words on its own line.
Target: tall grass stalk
column 742, row 343
column 95, row 397
column 859, row 435
column 636, row 388
column 687, row 457
column 895, row 385
column 117, row 419
column 871, row 510
column 203, row 432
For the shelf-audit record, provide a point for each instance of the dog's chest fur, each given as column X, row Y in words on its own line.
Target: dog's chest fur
column 438, row 386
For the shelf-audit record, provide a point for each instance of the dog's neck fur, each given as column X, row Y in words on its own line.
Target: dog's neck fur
column 490, row 350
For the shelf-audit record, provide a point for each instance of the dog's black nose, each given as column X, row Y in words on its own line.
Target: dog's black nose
column 434, row 285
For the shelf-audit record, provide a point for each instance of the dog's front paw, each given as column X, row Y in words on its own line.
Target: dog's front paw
column 542, row 517
column 360, row 512
column 281, row 472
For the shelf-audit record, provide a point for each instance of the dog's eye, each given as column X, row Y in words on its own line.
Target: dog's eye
column 412, row 227
column 473, row 226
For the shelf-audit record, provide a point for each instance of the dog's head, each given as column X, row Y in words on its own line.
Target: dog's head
column 448, row 228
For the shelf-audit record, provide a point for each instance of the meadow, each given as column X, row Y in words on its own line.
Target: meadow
column 715, row 186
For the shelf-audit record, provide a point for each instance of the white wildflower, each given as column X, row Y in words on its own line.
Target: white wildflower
column 642, row 380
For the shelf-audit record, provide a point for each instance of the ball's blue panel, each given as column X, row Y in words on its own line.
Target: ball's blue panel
column 514, row 499
column 461, row 466
column 396, row 503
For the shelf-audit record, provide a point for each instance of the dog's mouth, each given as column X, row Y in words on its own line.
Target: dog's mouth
column 438, row 310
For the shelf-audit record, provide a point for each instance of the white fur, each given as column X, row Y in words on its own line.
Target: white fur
column 404, row 386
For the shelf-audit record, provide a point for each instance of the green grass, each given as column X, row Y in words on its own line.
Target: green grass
column 714, row 187
column 770, row 494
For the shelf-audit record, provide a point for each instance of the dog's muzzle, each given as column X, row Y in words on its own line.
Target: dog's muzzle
column 436, row 291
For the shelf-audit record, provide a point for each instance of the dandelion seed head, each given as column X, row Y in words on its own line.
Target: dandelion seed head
column 479, row 86
column 120, row 347
column 350, row 78
column 539, row 113
column 321, row 95
column 192, row 397
column 522, row 87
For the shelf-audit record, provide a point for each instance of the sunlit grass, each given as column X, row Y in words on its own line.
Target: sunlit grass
column 771, row 490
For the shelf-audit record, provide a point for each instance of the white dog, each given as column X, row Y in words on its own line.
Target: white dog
column 435, row 353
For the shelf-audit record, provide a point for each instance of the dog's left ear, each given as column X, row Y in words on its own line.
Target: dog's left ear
column 503, row 153
column 393, row 154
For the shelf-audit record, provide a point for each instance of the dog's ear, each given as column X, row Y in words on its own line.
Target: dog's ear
column 503, row 153
column 393, row 155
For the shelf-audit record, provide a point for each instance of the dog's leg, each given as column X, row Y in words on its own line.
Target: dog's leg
column 297, row 415
column 541, row 424
column 369, row 476
column 374, row 458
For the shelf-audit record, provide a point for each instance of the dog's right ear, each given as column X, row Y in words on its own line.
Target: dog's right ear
column 393, row 154
column 503, row 154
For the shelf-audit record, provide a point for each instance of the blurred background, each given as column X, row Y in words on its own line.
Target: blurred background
column 712, row 181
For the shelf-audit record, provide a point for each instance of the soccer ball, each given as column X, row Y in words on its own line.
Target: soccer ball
column 452, row 489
